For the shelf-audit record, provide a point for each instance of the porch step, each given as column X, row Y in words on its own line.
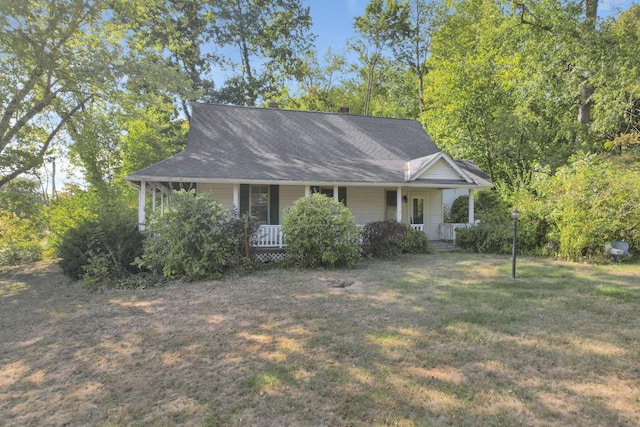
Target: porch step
column 439, row 246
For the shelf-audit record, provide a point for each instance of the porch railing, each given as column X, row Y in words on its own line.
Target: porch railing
column 448, row 231
column 269, row 236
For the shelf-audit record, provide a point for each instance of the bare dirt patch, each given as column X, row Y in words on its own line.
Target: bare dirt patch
column 423, row 340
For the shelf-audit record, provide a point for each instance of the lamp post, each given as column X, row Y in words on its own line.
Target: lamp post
column 515, row 214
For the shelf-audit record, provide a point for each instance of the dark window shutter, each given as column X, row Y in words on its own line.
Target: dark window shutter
column 274, row 205
column 342, row 195
column 244, row 199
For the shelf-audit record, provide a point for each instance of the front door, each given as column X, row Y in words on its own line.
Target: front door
column 417, row 210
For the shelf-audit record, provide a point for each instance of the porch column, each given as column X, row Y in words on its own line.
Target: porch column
column 471, row 205
column 399, row 204
column 153, row 199
column 335, row 193
column 142, row 195
column 307, row 190
column 236, row 196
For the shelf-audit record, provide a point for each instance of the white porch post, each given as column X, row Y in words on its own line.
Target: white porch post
column 153, row 199
column 399, row 204
column 236, row 196
column 335, row 193
column 307, row 190
column 142, row 195
column 471, row 207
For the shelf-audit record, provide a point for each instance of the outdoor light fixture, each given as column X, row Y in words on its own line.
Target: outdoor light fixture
column 515, row 214
column 405, row 199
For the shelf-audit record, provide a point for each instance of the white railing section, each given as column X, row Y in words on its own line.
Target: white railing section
column 269, row 236
column 448, row 231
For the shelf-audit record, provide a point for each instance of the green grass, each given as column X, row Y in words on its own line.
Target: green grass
column 435, row 340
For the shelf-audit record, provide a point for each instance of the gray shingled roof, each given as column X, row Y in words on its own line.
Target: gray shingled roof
column 246, row 144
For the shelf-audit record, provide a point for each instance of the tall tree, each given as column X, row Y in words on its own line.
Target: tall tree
column 424, row 18
column 178, row 34
column 56, row 57
column 384, row 22
column 264, row 42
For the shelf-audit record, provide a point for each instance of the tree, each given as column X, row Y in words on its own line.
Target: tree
column 383, row 23
column 268, row 38
column 176, row 33
column 56, row 58
column 424, row 19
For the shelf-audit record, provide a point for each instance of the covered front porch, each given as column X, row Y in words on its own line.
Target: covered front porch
column 420, row 206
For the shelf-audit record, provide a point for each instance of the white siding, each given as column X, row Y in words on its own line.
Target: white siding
column 367, row 204
column 222, row 193
column 288, row 195
column 441, row 170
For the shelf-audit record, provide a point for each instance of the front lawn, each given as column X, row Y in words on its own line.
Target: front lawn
column 445, row 339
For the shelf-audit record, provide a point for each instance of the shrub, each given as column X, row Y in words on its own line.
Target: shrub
column 194, row 239
column 19, row 240
column 243, row 229
column 320, row 232
column 486, row 237
column 389, row 238
column 584, row 205
column 384, row 239
column 21, row 253
column 101, row 249
column 415, row 242
column 459, row 213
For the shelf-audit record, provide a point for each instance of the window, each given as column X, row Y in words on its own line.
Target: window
column 260, row 203
column 391, row 205
column 327, row 191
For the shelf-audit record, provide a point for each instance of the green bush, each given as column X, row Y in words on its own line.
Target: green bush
column 459, row 213
column 415, row 242
column 19, row 240
column 320, row 232
column 573, row 213
column 21, row 253
column 488, row 204
column 389, row 238
column 383, row 239
column 195, row 239
column 486, row 237
column 101, row 249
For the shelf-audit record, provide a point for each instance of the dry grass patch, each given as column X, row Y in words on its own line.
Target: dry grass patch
column 424, row 340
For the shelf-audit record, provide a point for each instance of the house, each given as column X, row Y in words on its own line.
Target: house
column 261, row 160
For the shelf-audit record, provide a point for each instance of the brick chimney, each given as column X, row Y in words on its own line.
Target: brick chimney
column 343, row 109
column 273, row 104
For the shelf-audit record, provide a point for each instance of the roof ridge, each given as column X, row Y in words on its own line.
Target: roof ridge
column 207, row 104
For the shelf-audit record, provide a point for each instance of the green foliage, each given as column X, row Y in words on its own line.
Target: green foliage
column 389, row 238
column 19, row 240
column 384, row 239
column 585, row 205
column 486, row 237
column 488, row 204
column 23, row 222
column 415, row 242
column 320, row 232
column 101, row 249
column 459, row 213
column 195, row 239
